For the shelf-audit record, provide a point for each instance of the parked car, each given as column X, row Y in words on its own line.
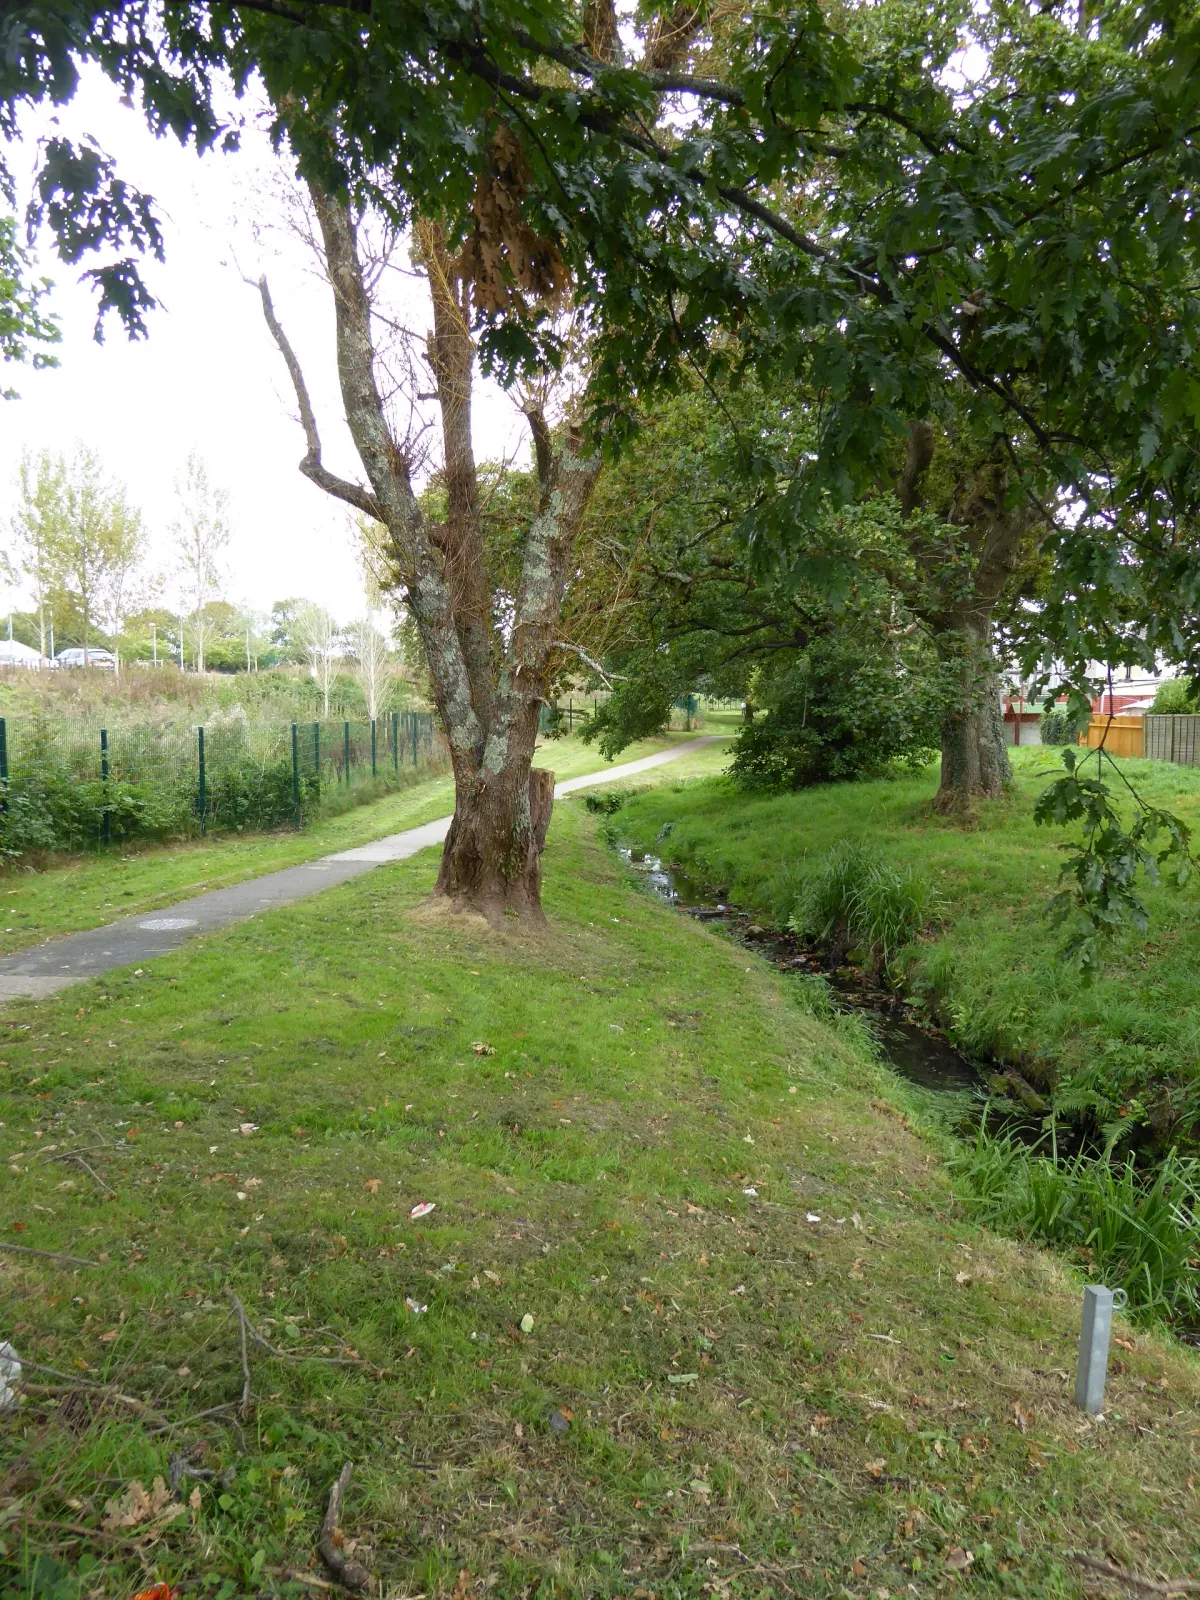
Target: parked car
column 74, row 657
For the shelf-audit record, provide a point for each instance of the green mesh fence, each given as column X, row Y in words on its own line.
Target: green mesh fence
column 70, row 784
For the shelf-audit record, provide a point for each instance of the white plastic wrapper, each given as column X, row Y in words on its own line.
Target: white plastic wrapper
column 10, row 1376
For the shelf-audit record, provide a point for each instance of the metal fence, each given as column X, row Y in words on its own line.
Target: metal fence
column 228, row 771
column 1174, row 739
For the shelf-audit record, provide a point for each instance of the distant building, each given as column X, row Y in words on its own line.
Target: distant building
column 15, row 654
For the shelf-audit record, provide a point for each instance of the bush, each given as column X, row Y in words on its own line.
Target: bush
column 855, row 900
column 1137, row 1233
column 1056, row 726
column 841, row 711
column 1175, row 699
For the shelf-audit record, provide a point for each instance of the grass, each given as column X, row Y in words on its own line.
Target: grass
column 1128, row 1046
column 786, row 1362
column 86, row 890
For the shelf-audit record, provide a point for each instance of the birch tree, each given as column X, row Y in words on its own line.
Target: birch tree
column 316, row 636
column 374, row 667
column 489, row 682
column 201, row 534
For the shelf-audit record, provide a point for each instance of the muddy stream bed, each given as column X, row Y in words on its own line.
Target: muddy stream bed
column 916, row 1053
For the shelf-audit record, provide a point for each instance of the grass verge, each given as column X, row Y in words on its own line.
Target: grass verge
column 696, row 1312
column 1122, row 1053
column 85, row 891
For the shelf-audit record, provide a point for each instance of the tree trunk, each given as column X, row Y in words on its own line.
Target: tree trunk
column 492, row 860
column 975, row 764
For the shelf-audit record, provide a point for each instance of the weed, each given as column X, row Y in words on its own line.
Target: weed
column 855, row 900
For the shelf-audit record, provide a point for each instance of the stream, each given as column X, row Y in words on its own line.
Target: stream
column 915, row 1053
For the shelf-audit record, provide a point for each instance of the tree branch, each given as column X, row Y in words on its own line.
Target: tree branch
column 341, row 489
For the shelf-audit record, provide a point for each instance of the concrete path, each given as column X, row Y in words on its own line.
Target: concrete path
column 43, row 968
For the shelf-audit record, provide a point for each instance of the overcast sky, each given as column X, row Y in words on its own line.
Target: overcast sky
column 209, row 378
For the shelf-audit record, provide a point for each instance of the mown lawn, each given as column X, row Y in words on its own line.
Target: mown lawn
column 697, row 1313
column 991, row 975
column 86, row 890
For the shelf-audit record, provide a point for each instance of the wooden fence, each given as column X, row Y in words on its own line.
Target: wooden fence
column 1174, row 739
column 1122, row 736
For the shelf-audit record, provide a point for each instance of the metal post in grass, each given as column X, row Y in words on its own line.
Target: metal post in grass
column 296, row 773
column 203, row 781
column 1096, row 1329
column 105, row 824
column 395, row 741
column 413, row 714
column 346, row 750
column 317, row 748
column 3, row 765
column 372, row 746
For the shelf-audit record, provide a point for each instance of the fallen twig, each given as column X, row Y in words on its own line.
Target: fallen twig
column 76, row 1382
column 47, row 1255
column 290, row 1575
column 348, row 1573
column 70, row 1155
column 240, row 1312
column 92, row 1173
column 1132, row 1580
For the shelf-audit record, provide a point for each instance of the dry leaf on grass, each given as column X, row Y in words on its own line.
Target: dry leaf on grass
column 138, row 1507
column 957, row 1559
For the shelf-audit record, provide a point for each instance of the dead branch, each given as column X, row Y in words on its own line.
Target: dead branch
column 46, row 1255
column 311, row 466
column 561, row 644
column 92, row 1173
column 348, row 1573
column 239, row 1312
column 70, row 1155
column 543, row 448
column 1131, row 1580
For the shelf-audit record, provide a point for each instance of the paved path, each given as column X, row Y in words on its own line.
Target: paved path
column 43, row 968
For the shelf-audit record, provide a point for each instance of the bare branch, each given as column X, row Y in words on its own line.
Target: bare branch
column 341, row 489
column 607, row 678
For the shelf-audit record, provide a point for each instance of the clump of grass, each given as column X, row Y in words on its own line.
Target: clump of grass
column 1137, row 1233
column 856, row 900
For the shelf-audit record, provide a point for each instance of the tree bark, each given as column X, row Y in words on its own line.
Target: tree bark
column 975, row 764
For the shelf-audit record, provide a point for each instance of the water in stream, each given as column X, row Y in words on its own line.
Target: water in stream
column 914, row 1052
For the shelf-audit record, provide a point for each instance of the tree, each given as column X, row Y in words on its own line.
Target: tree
column 201, row 534
column 36, row 526
column 24, row 326
column 373, row 664
column 489, row 674
column 85, row 540
column 315, row 634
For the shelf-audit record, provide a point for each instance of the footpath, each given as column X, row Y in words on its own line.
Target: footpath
column 57, row 963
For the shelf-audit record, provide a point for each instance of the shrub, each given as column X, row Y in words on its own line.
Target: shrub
column 1175, row 699
column 1057, row 726
column 842, row 710
column 1137, row 1232
column 855, row 900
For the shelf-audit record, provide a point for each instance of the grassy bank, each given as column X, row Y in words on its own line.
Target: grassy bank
column 695, row 1313
column 1129, row 1045
column 87, row 890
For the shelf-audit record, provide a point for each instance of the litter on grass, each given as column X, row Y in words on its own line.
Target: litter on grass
column 423, row 1208
column 10, row 1376
column 527, row 1323
column 414, row 1306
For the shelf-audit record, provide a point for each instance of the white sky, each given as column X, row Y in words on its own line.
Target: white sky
column 208, row 377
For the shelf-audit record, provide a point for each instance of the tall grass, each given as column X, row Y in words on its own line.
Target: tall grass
column 854, row 900
column 1140, row 1233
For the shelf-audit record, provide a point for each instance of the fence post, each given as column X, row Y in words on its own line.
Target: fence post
column 372, row 746
column 296, row 773
column 317, row 749
column 346, row 750
column 105, row 825
column 3, row 765
column 395, row 741
column 413, row 715
column 203, row 782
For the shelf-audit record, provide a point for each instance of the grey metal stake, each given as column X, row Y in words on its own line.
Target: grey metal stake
column 1098, row 1306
